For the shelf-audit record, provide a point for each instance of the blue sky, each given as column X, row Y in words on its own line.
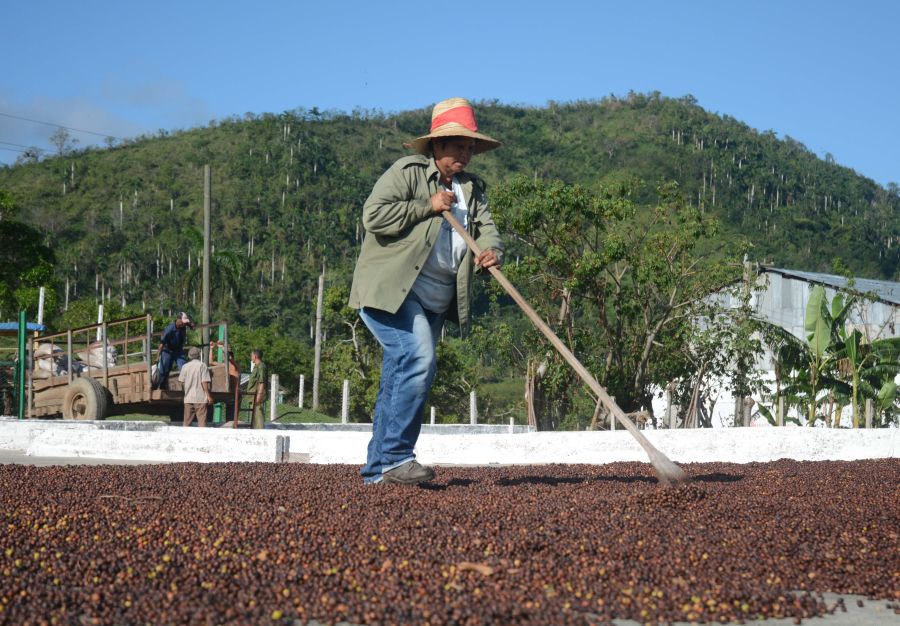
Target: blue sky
column 824, row 72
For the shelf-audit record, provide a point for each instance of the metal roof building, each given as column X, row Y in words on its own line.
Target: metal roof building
column 781, row 298
column 785, row 293
column 884, row 290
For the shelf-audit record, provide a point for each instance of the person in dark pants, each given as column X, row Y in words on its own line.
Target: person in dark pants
column 171, row 347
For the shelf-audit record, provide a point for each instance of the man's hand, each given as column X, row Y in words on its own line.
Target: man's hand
column 487, row 258
column 209, row 398
column 442, row 201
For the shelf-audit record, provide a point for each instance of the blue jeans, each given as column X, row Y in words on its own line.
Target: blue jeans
column 165, row 365
column 408, row 337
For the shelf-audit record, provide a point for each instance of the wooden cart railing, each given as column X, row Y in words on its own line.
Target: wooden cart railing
column 133, row 339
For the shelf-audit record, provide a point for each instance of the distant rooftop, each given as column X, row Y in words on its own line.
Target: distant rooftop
column 12, row 328
column 885, row 290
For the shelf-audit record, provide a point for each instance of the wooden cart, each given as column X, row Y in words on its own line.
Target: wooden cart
column 69, row 377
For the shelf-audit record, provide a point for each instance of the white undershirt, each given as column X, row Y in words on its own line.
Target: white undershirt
column 436, row 284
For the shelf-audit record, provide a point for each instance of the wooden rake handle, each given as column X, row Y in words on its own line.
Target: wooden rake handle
column 663, row 465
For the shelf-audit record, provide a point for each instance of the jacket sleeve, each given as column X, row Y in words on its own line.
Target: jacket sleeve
column 392, row 207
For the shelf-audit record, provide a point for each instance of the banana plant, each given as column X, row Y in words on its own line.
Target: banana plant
column 835, row 356
column 823, row 325
column 799, row 372
column 870, row 365
column 878, row 372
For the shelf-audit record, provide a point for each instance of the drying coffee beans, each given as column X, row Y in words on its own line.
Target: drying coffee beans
column 290, row 544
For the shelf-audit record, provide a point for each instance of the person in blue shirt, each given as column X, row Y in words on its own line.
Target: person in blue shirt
column 171, row 347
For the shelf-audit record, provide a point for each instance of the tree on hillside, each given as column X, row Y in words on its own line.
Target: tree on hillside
column 62, row 139
column 8, row 208
column 621, row 283
column 26, row 265
column 29, row 155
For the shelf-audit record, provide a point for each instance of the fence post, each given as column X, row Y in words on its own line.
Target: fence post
column 612, row 417
column 780, row 415
column 512, row 425
column 345, row 403
column 433, row 415
column 300, row 393
column 318, row 345
column 671, row 413
column 148, row 351
column 99, row 321
column 273, row 398
column 69, row 356
column 21, row 366
column 29, row 368
column 473, row 408
column 103, row 328
column 40, row 319
column 870, row 411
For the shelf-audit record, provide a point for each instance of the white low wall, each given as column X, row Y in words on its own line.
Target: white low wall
column 145, row 441
column 153, row 441
column 737, row 445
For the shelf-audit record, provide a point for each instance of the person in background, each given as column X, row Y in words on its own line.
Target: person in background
column 194, row 378
column 171, row 347
column 414, row 271
column 234, row 383
column 256, row 389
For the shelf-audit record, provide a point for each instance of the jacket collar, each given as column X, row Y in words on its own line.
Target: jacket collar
column 432, row 172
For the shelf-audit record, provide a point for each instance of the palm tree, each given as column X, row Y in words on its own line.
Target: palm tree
column 225, row 270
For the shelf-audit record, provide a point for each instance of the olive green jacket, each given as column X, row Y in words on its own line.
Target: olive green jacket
column 257, row 378
column 400, row 229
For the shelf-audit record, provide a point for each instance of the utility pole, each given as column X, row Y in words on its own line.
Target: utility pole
column 207, row 184
column 319, row 305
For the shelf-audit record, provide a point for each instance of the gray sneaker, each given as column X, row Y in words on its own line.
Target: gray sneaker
column 411, row 473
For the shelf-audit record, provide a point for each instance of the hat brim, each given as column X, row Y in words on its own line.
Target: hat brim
column 483, row 143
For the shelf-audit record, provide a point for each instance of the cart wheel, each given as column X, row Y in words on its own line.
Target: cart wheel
column 85, row 399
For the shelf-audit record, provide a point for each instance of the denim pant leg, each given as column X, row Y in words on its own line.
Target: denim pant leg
column 371, row 471
column 165, row 366
column 408, row 337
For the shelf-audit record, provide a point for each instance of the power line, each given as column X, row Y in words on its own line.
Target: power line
column 18, row 145
column 77, row 130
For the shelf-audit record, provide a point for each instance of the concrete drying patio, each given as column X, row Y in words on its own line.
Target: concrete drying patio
column 440, row 444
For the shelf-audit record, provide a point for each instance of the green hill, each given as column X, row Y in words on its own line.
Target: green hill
column 288, row 189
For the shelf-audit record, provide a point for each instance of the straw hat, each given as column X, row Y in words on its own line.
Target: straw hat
column 454, row 118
